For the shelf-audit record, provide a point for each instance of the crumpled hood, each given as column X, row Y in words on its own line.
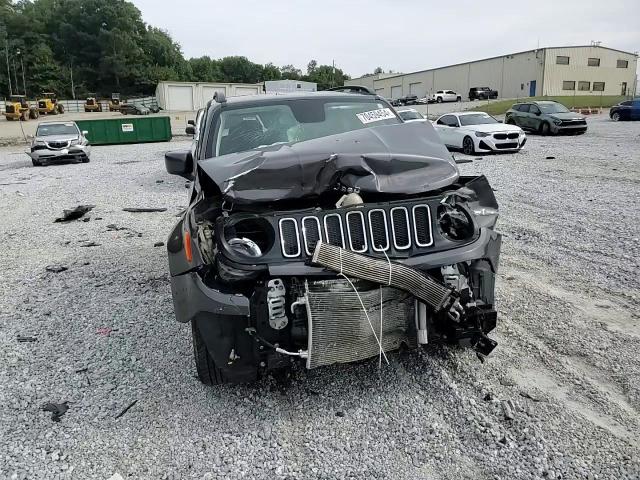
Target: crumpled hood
column 406, row 158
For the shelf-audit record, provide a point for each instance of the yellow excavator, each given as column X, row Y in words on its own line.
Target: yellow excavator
column 92, row 104
column 17, row 108
column 48, row 104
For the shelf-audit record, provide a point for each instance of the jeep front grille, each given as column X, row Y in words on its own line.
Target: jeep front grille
column 376, row 230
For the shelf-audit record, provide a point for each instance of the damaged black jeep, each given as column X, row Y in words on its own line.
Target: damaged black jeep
column 323, row 229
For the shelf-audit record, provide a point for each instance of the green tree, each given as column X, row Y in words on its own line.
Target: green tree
column 271, row 72
column 326, row 76
column 289, row 72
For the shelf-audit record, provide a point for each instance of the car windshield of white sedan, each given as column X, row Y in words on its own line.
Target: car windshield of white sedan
column 294, row 121
column 552, row 108
column 476, row 119
column 56, row 129
column 410, row 115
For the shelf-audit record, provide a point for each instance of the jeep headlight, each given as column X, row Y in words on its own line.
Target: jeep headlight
column 482, row 134
column 455, row 222
column 249, row 237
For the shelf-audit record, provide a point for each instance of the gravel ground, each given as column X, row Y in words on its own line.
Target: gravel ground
column 559, row 397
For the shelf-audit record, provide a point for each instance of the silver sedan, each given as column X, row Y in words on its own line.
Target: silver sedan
column 59, row 142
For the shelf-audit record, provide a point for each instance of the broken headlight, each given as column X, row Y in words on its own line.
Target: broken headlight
column 249, row 236
column 455, row 222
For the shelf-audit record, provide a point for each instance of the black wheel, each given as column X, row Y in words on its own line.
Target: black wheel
column 61, row 108
column 545, row 129
column 458, row 99
column 616, row 117
column 85, row 160
column 36, row 163
column 468, row 147
column 208, row 373
column 439, row 100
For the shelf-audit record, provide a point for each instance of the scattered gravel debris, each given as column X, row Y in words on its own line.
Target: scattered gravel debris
column 144, row 210
column 432, row 414
column 56, row 268
column 26, row 339
column 57, row 411
column 74, row 213
column 158, row 244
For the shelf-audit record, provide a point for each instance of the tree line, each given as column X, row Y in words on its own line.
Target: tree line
column 98, row 47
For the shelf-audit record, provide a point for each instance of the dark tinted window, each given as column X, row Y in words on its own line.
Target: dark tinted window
column 622, row 64
column 626, row 104
column 560, row 60
column 448, row 120
column 598, row 86
column 524, row 107
column 534, row 109
column 593, row 62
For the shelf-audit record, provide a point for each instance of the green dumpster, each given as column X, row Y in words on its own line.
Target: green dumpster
column 112, row 131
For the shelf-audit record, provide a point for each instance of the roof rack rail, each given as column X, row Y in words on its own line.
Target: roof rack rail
column 353, row 89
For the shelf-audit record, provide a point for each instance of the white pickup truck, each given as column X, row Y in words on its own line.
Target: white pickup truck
column 445, row 96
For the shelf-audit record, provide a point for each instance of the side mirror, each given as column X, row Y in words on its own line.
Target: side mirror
column 179, row 163
column 191, row 122
column 85, row 132
column 190, row 130
column 538, row 113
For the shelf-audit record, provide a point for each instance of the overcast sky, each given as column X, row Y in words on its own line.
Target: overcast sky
column 402, row 35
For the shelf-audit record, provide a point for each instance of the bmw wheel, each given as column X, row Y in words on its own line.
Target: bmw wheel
column 615, row 117
column 468, row 147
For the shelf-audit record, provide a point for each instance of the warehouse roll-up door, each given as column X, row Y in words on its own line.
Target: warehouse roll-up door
column 415, row 88
column 240, row 91
column 396, row 92
column 180, row 97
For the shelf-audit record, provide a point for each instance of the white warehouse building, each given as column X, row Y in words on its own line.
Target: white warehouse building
column 550, row 71
column 190, row 96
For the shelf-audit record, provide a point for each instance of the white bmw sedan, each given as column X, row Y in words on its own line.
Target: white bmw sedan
column 478, row 132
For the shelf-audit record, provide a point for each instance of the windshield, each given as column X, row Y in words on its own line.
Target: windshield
column 476, row 119
column 410, row 115
column 56, row 129
column 552, row 108
column 293, row 121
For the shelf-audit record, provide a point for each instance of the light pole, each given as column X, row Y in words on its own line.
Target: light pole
column 24, row 83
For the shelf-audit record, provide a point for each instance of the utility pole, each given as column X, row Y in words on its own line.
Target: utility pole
column 6, row 51
column 333, row 74
column 73, row 88
column 15, row 74
column 3, row 35
column 24, row 83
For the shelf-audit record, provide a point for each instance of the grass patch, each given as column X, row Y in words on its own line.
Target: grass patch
column 499, row 107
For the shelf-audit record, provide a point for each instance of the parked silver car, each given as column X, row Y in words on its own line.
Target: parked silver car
column 59, row 142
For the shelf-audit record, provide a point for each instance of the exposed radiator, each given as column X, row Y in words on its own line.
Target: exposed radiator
column 339, row 331
column 383, row 272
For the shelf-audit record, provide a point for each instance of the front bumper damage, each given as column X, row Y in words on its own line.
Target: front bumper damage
column 44, row 154
column 325, row 318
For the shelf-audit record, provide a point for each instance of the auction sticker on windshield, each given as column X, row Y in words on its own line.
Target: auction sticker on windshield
column 375, row 115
